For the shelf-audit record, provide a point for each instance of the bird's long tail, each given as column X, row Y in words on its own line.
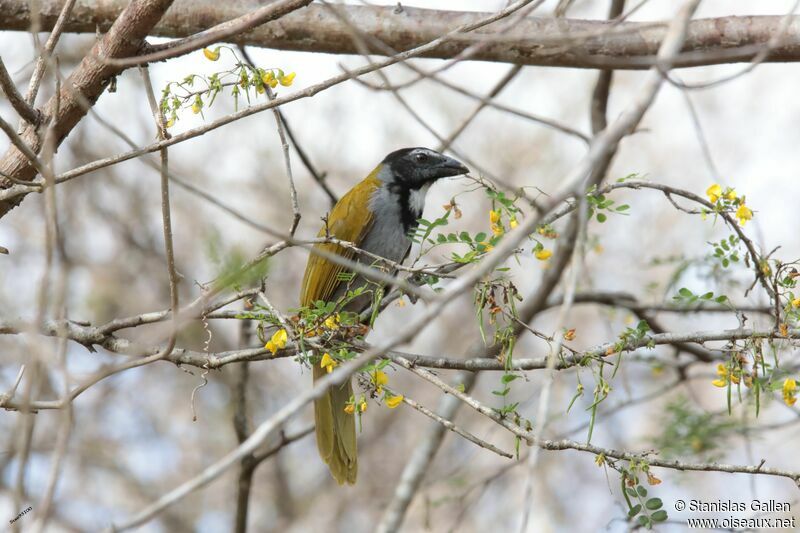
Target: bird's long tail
column 336, row 430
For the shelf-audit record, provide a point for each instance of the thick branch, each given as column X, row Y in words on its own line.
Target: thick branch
column 534, row 41
column 64, row 110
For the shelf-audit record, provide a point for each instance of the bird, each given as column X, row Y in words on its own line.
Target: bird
column 378, row 215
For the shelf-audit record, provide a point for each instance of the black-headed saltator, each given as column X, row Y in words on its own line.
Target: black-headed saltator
column 377, row 216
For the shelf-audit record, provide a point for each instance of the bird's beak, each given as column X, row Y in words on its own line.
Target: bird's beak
column 451, row 167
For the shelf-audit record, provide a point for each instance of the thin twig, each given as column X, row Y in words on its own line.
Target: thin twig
column 166, row 216
column 287, row 160
column 44, row 57
column 454, row 428
column 27, row 112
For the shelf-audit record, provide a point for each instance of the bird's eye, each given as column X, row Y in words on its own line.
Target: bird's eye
column 421, row 158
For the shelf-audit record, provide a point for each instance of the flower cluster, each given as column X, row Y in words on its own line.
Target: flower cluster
column 727, row 198
column 378, row 379
column 196, row 92
column 360, row 404
column 726, row 375
column 495, row 217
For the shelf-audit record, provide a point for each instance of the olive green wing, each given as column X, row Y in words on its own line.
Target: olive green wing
column 349, row 220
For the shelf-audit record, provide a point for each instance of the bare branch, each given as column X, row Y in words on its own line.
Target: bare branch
column 43, row 61
column 454, row 428
column 25, row 111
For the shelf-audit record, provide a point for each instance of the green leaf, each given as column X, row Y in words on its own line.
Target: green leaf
column 631, row 492
column 623, row 207
column 659, row 516
column 601, row 217
column 644, row 521
column 508, row 378
column 721, row 299
column 480, row 237
column 464, row 236
column 686, row 293
column 510, row 408
column 641, row 491
column 707, row 296
column 634, row 510
column 654, row 503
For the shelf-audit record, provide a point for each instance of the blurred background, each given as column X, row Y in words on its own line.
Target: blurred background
column 134, row 437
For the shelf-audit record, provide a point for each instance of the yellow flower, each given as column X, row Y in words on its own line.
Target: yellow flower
column 288, row 79
column 796, row 303
column 197, row 106
column 497, row 229
column 725, row 376
column 494, row 216
column 714, row 192
column 743, row 214
column 513, row 222
column 789, row 391
column 487, row 247
column 328, row 363
column 170, row 123
column 332, row 322
column 350, row 408
column 730, row 195
column 569, row 335
column 543, row 254
column 278, row 341
column 722, row 372
column 394, row 401
column 211, row 55
column 267, row 77
column 379, row 378
column 362, row 405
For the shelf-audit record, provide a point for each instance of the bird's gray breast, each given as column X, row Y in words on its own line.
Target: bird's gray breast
column 386, row 237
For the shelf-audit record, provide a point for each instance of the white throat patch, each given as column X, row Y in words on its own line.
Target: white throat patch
column 416, row 198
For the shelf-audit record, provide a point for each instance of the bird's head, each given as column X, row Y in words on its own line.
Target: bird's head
column 414, row 168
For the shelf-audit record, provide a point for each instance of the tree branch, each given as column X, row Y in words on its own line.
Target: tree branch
column 63, row 111
column 534, row 41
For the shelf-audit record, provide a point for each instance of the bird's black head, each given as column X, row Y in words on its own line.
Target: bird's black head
column 416, row 167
